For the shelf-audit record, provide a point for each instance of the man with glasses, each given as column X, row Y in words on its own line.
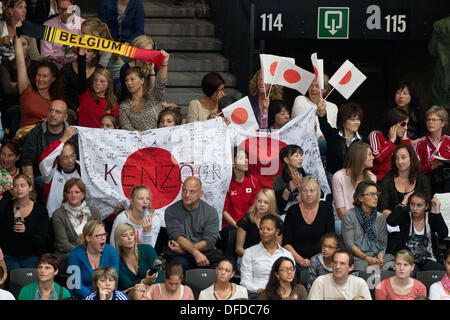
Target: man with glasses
column 69, row 19
column 340, row 285
column 58, row 164
column 39, row 139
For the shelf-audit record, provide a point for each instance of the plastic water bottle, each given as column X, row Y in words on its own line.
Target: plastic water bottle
column 17, row 216
column 146, row 212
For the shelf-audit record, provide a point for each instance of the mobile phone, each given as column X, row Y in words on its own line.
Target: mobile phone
column 152, row 271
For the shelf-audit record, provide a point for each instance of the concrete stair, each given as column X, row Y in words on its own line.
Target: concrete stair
column 187, row 34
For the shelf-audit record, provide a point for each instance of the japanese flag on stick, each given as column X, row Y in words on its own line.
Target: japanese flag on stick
column 347, row 79
column 291, row 76
column 241, row 113
column 318, row 69
column 269, row 65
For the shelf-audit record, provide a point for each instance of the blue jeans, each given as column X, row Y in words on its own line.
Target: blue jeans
column 322, row 147
column 18, row 262
column 338, row 227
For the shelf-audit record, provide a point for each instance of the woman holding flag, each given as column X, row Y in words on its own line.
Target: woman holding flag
column 304, row 103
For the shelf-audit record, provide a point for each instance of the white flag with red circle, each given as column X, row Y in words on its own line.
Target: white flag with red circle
column 241, row 113
column 318, row 69
column 292, row 76
column 269, row 65
column 347, row 79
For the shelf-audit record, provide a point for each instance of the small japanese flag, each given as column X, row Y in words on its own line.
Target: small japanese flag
column 347, row 79
column 318, row 69
column 269, row 65
column 291, row 76
column 241, row 113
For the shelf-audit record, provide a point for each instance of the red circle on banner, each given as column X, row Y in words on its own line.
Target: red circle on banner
column 155, row 168
column 345, row 79
column 291, row 76
column 239, row 116
column 316, row 72
column 273, row 67
column 263, row 158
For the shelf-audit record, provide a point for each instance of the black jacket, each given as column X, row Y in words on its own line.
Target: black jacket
column 401, row 217
column 336, row 145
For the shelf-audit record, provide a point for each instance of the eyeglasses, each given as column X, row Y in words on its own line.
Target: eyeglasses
column 335, row 263
column 372, row 194
column 328, row 247
column 403, row 123
column 291, row 269
column 101, row 235
column 433, row 120
column 72, row 156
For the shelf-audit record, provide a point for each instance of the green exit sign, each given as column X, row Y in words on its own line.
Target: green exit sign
column 333, row 22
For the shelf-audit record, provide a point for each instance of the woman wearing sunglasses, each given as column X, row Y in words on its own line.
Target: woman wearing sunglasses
column 364, row 229
column 384, row 141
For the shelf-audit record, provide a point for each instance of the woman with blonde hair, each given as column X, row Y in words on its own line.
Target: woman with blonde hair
column 141, row 216
column 143, row 42
column 306, row 222
column 138, row 262
column 357, row 164
column 259, row 99
column 93, row 253
column 248, row 225
column 401, row 286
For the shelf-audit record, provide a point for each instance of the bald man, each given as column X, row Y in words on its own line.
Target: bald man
column 193, row 228
column 40, row 138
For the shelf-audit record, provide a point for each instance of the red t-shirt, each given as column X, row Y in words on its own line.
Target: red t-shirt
column 240, row 197
column 90, row 112
column 33, row 107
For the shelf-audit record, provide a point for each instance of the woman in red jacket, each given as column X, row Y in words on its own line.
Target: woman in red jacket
column 384, row 142
column 97, row 100
column 435, row 146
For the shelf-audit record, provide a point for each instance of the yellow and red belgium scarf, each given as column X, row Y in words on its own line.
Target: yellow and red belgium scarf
column 64, row 37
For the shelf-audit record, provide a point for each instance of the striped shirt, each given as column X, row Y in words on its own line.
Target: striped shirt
column 117, row 295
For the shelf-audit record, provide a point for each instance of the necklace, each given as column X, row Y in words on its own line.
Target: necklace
column 228, row 296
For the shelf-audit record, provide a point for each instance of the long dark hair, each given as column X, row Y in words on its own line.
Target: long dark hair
column 414, row 170
column 414, row 103
column 56, row 87
column 393, row 117
column 274, row 283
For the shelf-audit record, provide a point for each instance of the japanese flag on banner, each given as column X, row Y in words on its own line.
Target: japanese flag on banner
column 241, row 113
column 114, row 161
column 263, row 149
column 318, row 69
column 291, row 76
column 347, row 79
column 269, row 65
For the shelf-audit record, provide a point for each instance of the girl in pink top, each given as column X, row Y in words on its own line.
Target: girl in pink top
column 171, row 289
column 401, row 286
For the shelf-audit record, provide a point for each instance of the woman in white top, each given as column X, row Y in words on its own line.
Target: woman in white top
column 441, row 290
column 212, row 86
column 303, row 104
column 357, row 164
column 141, row 216
column 223, row 289
column 258, row 260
